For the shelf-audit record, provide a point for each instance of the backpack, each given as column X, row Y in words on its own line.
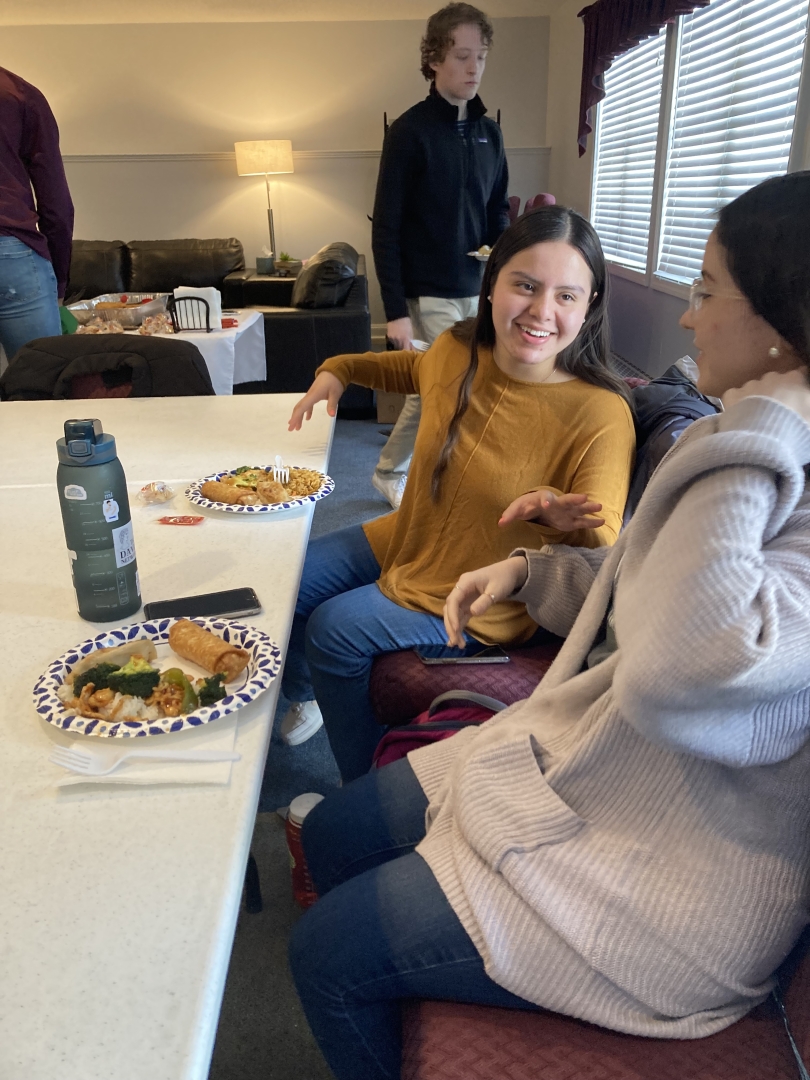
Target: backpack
column 448, row 713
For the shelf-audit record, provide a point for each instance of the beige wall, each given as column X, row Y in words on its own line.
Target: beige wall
column 148, row 115
column 570, row 176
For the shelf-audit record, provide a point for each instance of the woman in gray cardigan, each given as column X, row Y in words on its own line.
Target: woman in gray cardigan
column 631, row 844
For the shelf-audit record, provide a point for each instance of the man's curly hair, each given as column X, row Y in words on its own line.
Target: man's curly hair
column 439, row 33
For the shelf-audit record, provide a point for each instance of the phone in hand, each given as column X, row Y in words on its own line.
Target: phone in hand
column 475, row 653
column 232, row 602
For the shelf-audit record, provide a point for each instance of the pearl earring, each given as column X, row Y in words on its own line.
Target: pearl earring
column 490, row 299
column 773, row 352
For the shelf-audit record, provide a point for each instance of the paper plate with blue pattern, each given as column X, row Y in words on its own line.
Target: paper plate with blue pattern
column 264, row 666
column 194, row 494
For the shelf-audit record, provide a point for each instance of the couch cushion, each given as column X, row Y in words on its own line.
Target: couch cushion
column 97, row 267
column 327, row 278
column 446, row 1041
column 162, row 265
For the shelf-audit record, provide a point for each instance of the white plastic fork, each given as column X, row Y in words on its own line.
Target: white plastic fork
column 280, row 473
column 100, row 761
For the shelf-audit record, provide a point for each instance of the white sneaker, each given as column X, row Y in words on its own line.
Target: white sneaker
column 391, row 485
column 300, row 722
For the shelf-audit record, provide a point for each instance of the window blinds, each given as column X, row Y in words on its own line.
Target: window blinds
column 735, row 98
column 626, row 134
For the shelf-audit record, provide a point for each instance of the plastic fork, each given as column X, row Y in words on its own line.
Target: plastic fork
column 280, row 472
column 100, row 761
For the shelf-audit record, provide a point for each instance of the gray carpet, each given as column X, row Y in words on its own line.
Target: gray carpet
column 262, row 1033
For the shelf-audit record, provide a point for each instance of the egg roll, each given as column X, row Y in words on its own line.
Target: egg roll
column 206, row 649
column 216, row 491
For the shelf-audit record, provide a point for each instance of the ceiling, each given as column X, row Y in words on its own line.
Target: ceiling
column 59, row 12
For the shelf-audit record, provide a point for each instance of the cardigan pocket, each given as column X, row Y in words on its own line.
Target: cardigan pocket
column 503, row 804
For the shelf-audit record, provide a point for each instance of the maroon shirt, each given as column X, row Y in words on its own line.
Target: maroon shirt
column 30, row 158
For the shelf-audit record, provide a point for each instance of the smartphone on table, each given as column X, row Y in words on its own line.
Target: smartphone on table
column 475, row 653
column 232, row 602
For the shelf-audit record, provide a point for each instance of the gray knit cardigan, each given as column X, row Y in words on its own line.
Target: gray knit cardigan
column 630, row 845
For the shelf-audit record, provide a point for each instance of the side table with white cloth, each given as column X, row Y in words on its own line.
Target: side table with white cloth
column 234, row 355
column 119, row 900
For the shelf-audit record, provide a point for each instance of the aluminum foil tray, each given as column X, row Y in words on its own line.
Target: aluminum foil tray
column 129, row 316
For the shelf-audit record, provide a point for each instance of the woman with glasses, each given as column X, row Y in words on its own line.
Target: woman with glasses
column 630, row 845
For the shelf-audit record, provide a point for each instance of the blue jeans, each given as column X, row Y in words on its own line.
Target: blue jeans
column 382, row 930
column 28, row 302
column 342, row 621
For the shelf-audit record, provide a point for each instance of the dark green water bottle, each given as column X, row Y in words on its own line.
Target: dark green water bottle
column 98, row 524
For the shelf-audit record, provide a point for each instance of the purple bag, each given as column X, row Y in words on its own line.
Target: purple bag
column 448, row 713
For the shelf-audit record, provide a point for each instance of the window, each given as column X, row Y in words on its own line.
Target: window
column 626, row 136
column 727, row 88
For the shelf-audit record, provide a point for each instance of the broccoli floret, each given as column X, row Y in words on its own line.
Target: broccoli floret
column 211, row 689
column 98, row 676
column 137, row 677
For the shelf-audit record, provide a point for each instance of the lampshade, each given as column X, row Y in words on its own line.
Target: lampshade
column 264, row 156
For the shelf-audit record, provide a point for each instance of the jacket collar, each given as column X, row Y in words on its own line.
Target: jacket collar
column 445, row 111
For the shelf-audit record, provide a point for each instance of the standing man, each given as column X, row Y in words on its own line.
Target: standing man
column 441, row 193
column 36, row 216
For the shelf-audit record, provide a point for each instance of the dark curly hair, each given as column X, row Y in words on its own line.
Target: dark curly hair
column 587, row 357
column 439, row 33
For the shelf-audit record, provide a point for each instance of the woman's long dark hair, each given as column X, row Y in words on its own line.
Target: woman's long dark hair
column 765, row 234
column 586, row 357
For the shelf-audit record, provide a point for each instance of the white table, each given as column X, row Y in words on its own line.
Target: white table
column 235, row 355
column 118, row 904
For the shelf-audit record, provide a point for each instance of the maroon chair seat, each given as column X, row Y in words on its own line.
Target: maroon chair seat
column 402, row 686
column 447, row 1041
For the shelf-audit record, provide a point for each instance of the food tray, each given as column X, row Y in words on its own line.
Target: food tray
column 194, row 494
column 263, row 667
column 85, row 310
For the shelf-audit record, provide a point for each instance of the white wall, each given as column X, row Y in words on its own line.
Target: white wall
column 148, row 116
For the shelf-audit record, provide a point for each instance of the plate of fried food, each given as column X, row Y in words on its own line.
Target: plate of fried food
column 154, row 677
column 253, row 490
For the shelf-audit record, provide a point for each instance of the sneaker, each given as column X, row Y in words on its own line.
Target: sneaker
column 391, row 485
column 300, row 722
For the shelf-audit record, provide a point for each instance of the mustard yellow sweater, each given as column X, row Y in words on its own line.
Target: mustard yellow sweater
column 515, row 437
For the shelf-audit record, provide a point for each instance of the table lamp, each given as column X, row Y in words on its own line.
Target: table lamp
column 265, row 156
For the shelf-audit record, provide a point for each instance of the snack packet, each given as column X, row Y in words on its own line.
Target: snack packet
column 156, row 492
column 181, row 519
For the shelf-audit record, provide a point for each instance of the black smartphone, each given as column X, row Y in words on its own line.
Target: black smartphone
column 231, row 602
column 474, row 653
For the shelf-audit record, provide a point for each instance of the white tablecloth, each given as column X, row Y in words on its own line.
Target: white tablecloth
column 235, row 355
column 118, row 903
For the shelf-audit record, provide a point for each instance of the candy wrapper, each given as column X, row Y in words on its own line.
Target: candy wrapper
column 156, row 492
column 183, row 519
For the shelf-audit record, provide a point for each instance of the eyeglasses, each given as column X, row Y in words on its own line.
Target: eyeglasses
column 698, row 293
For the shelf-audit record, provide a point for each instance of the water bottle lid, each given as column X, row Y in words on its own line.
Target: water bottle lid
column 85, row 443
column 301, row 806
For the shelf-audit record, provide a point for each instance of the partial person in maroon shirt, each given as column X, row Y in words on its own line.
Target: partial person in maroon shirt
column 36, row 216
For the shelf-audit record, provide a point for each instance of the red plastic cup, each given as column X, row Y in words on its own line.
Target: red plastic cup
column 303, row 889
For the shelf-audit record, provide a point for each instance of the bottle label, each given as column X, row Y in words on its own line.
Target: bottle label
column 109, row 508
column 124, row 543
column 75, row 491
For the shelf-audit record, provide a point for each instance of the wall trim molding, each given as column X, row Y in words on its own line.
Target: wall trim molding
column 298, row 155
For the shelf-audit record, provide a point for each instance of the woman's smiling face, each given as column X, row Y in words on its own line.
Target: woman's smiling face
column 539, row 303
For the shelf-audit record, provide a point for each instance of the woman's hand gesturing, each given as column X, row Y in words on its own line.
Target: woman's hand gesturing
column 566, row 513
column 475, row 592
column 326, row 388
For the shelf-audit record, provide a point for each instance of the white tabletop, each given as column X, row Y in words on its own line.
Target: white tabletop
column 118, row 904
column 233, row 355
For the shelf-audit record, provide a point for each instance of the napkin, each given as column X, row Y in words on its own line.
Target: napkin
column 218, row 735
column 209, row 293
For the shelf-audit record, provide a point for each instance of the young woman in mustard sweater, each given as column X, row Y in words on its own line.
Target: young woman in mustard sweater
column 520, row 400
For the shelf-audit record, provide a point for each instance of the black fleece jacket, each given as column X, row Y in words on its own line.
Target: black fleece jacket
column 438, row 196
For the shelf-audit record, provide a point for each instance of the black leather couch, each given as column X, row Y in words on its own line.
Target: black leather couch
column 297, row 340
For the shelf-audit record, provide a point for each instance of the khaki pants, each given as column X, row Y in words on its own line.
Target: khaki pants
column 430, row 316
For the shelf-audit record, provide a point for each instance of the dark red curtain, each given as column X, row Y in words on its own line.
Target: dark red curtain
column 611, row 28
